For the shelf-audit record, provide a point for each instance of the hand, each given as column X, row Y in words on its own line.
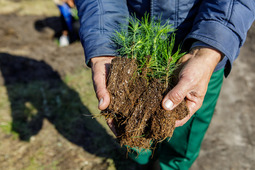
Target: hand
column 100, row 68
column 198, row 66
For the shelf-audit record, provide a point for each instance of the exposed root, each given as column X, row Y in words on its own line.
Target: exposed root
column 136, row 107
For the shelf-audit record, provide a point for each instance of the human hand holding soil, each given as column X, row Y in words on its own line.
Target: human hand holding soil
column 100, row 68
column 198, row 66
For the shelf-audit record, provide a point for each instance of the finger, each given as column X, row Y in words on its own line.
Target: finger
column 193, row 106
column 183, row 121
column 99, row 80
column 111, row 125
column 176, row 95
column 194, row 102
column 99, row 75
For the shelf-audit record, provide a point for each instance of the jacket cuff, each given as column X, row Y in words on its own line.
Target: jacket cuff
column 200, row 44
column 97, row 47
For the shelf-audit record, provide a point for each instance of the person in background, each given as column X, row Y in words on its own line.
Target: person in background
column 69, row 21
column 211, row 31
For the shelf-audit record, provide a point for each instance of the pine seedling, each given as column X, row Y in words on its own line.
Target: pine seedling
column 151, row 44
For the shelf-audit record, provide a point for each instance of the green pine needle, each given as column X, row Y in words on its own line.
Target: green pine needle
column 151, row 44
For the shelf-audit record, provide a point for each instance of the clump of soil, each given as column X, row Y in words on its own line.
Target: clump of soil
column 136, row 107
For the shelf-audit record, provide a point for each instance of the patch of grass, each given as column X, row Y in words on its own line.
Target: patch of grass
column 5, row 120
column 30, row 111
column 4, row 102
column 111, row 164
column 52, row 166
column 6, row 128
column 36, row 161
column 34, row 164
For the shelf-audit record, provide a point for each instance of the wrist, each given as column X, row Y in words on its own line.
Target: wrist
column 209, row 56
column 106, row 59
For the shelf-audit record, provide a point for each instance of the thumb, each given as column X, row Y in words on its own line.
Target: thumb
column 176, row 95
column 102, row 94
column 99, row 74
column 103, row 99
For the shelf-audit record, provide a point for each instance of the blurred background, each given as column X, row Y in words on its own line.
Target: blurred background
column 48, row 110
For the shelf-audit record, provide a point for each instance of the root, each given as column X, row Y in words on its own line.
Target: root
column 136, row 106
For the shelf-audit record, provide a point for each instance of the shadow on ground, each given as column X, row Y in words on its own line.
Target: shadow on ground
column 36, row 92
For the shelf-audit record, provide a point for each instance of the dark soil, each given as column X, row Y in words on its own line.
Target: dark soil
column 136, row 107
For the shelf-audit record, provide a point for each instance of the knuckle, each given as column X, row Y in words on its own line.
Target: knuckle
column 187, row 79
column 100, row 91
column 177, row 96
column 191, row 81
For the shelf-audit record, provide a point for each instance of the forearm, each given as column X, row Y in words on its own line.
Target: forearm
column 223, row 24
column 99, row 20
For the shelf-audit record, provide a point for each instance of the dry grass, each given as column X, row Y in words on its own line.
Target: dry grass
column 29, row 7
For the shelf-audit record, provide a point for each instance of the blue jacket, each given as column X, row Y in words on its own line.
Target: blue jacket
column 221, row 24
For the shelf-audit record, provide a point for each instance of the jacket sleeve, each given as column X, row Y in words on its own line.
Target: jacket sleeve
column 99, row 19
column 223, row 24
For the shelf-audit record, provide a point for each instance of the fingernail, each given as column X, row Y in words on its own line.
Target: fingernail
column 100, row 102
column 169, row 104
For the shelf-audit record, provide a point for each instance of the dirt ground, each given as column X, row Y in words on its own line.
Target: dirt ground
column 27, row 43
column 38, row 130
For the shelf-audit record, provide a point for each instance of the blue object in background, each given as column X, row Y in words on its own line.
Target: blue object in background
column 66, row 12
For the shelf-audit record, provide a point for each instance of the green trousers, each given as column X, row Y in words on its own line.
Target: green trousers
column 183, row 148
